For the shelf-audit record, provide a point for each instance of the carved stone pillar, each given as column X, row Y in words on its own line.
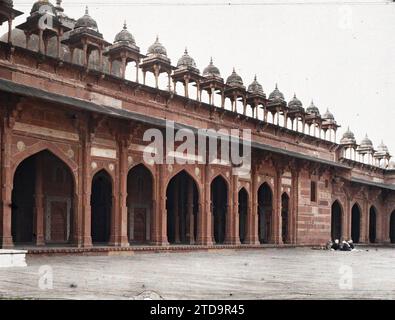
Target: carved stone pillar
column 6, row 186
column 252, row 214
column 39, row 203
column 86, row 183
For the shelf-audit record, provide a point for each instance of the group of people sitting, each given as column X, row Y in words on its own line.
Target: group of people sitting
column 344, row 246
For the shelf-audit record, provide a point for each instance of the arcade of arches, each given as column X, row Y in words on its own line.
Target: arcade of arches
column 44, row 203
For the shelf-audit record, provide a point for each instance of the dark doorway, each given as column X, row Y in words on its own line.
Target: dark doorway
column 23, row 202
column 182, row 207
column 42, row 201
column 372, row 225
column 355, row 223
column 101, row 207
column 243, row 211
column 265, row 212
column 284, row 217
column 336, row 221
column 139, row 203
column 392, row 227
column 219, row 201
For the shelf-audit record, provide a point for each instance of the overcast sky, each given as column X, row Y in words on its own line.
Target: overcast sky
column 340, row 55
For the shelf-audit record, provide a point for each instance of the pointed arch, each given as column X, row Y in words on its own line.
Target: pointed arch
column 40, row 147
column 140, row 191
column 182, row 206
column 356, row 222
column 101, row 206
column 372, row 224
column 219, row 189
column 243, row 211
column 43, row 199
column 336, row 220
column 285, row 217
column 265, row 213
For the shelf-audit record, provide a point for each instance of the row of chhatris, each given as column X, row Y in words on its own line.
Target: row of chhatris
column 84, row 35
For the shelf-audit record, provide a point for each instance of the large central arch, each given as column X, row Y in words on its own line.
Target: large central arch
column 336, row 221
column 182, row 205
column 356, row 223
column 219, row 201
column 42, row 201
column 101, row 207
column 139, row 203
column 265, row 213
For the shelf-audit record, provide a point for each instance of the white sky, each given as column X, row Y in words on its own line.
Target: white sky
column 342, row 56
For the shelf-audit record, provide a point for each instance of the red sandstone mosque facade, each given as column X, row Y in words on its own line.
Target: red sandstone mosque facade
column 72, row 167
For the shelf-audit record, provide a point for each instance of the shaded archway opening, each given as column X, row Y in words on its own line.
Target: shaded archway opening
column 336, row 221
column 182, row 205
column 372, row 225
column 285, row 218
column 243, row 210
column 392, row 227
column 355, row 223
column 101, row 207
column 265, row 213
column 219, row 202
column 42, row 201
column 139, row 203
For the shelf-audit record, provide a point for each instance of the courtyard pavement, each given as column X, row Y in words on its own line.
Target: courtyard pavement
column 291, row 273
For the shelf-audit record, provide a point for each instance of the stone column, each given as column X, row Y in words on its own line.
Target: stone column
column 276, row 207
column 161, row 212
column 230, row 215
column 120, row 212
column 207, row 234
column 236, row 216
column 190, row 216
column 293, row 208
column 364, row 237
column 39, row 203
column 252, row 216
column 86, row 183
column 6, row 186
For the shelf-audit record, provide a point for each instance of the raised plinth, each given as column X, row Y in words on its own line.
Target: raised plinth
column 12, row 258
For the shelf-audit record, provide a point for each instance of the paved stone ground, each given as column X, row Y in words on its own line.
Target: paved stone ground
column 300, row 273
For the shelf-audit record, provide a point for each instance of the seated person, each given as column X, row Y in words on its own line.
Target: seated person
column 336, row 245
column 345, row 246
column 351, row 244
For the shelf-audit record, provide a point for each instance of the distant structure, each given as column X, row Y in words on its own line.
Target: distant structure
column 72, row 167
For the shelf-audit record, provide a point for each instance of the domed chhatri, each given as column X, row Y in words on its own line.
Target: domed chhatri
column 295, row 103
column 234, row 80
column 186, row 61
column 328, row 116
column 86, row 21
column 125, row 36
column 366, row 143
column 276, row 95
column 348, row 138
column 312, row 109
column 211, row 70
column 157, row 48
column 382, row 149
column 38, row 4
column 256, row 88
